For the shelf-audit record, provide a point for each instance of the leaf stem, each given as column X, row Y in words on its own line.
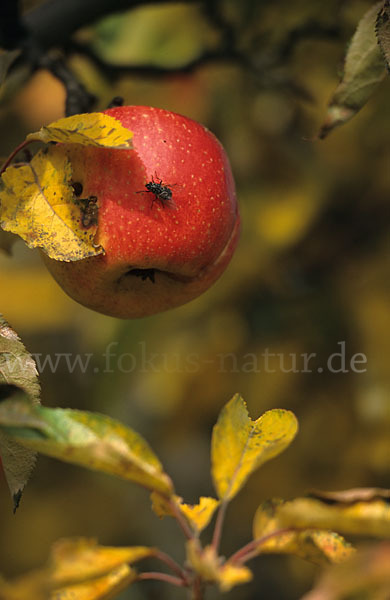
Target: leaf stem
column 197, row 589
column 172, row 564
column 162, row 577
column 13, row 154
column 181, row 520
column 218, row 525
column 250, row 550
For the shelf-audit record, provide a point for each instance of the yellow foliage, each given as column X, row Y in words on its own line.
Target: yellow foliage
column 199, row 515
column 76, row 560
column 89, row 129
column 102, row 588
column 231, row 575
column 240, row 445
column 37, row 204
column 209, row 566
column 317, row 546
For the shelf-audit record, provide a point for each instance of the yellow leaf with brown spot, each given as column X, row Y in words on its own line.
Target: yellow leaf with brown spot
column 361, row 517
column 102, row 588
column 37, row 203
column 76, row 560
column 88, row 129
column 315, row 545
column 365, row 576
column 239, row 445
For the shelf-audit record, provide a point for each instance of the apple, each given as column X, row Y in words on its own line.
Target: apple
column 167, row 216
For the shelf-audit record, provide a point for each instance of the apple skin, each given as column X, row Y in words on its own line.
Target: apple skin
column 187, row 245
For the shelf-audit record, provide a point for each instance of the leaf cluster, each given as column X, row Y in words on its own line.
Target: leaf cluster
column 82, row 569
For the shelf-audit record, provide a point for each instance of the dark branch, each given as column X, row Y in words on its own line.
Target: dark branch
column 113, row 71
column 311, row 29
column 78, row 99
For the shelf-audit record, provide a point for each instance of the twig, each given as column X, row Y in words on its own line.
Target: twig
column 162, row 577
column 218, row 526
column 113, row 71
column 197, row 589
column 172, row 564
column 13, row 154
column 250, row 550
column 181, row 520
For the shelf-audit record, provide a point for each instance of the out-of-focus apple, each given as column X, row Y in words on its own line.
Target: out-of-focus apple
column 159, row 253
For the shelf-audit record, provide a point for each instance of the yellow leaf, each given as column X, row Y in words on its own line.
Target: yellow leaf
column 240, row 445
column 89, row 129
column 32, row 586
column 204, row 561
column 161, row 505
column 366, row 575
column 314, row 545
column 231, row 575
column 102, row 588
column 199, row 515
column 89, row 439
column 371, row 517
column 76, row 560
column 208, row 565
column 37, row 203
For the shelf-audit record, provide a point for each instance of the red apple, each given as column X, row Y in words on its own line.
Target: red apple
column 158, row 253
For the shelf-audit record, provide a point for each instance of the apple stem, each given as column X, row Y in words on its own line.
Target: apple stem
column 13, row 154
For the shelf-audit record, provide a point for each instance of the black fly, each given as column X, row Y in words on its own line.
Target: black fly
column 161, row 192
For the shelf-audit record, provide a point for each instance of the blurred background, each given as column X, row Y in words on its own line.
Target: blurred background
column 310, row 275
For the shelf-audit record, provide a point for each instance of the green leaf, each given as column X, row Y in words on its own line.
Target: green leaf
column 364, row 69
column 383, row 31
column 18, row 376
column 239, row 445
column 88, row 439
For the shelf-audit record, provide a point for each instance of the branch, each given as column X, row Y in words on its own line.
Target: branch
column 162, row 577
column 78, row 99
column 250, row 550
column 113, row 71
column 219, row 525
